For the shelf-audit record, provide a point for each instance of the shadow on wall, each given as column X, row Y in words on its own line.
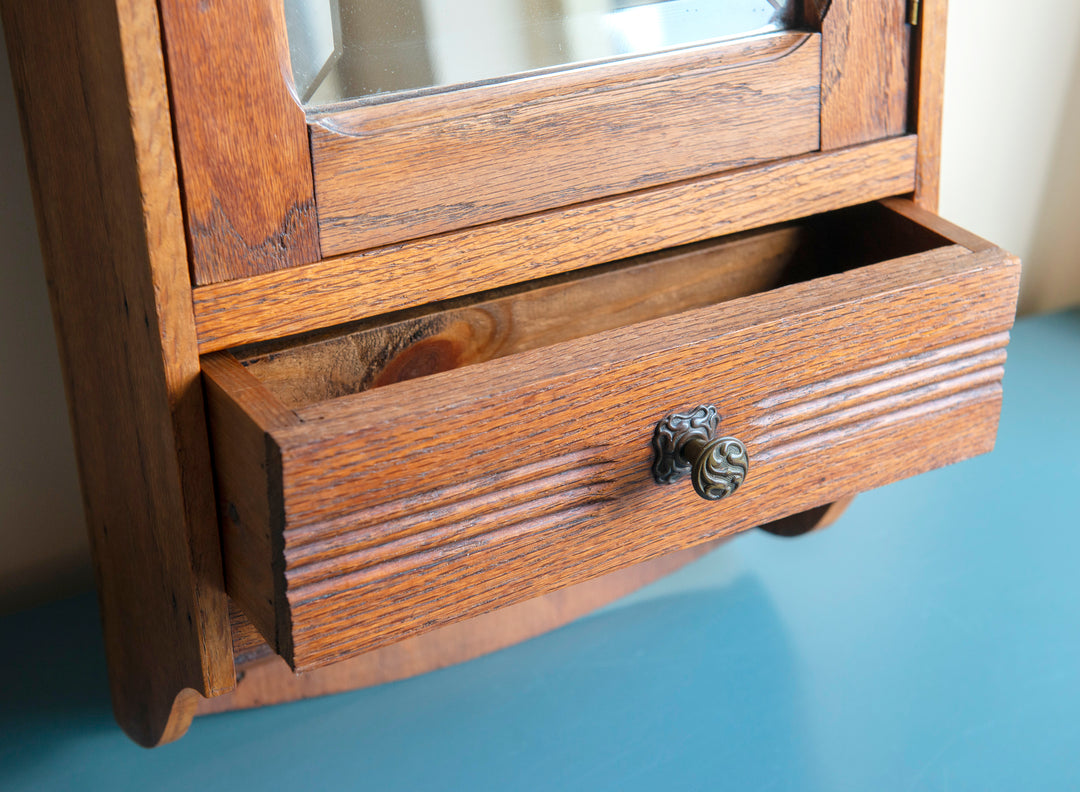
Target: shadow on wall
column 41, row 521
column 1054, row 282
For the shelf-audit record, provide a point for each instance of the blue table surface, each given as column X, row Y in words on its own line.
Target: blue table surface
column 929, row 640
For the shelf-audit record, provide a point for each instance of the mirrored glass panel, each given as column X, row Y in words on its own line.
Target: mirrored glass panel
column 343, row 50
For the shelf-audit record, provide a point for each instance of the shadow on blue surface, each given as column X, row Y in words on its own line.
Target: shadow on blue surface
column 53, row 667
column 929, row 640
column 528, row 717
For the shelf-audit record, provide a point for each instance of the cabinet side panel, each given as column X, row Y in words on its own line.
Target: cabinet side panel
column 90, row 82
column 929, row 86
column 242, row 139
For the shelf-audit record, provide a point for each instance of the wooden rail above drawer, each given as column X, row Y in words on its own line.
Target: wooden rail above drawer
column 393, row 277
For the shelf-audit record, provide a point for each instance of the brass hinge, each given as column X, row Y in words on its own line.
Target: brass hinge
column 913, row 9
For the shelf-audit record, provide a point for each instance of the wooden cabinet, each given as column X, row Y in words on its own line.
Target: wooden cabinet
column 436, row 335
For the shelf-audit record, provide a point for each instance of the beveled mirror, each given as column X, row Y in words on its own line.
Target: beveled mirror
column 370, row 50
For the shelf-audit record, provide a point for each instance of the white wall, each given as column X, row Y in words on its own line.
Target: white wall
column 1011, row 172
column 1011, row 140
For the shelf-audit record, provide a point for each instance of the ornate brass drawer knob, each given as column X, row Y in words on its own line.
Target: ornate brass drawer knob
column 686, row 443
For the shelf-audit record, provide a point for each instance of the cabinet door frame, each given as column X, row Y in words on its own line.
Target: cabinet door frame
column 245, row 144
column 414, row 167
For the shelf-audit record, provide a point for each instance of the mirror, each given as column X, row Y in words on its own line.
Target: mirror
column 344, row 50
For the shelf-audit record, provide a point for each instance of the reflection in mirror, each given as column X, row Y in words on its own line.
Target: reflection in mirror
column 343, row 50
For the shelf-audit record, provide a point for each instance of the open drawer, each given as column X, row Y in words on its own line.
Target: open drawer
column 394, row 476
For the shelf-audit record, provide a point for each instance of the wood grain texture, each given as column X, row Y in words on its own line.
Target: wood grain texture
column 402, row 511
column 864, row 69
column 335, row 291
column 267, row 679
column 241, row 137
column 422, row 166
column 90, row 81
column 928, row 95
column 517, row 319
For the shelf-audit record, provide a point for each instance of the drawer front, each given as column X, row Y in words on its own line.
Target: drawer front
column 354, row 522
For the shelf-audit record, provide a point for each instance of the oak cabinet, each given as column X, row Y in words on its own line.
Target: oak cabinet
column 374, row 371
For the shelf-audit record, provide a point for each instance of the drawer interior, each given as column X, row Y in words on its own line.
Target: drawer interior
column 300, row 371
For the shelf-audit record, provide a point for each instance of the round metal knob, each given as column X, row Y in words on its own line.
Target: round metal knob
column 717, row 467
column 686, row 443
